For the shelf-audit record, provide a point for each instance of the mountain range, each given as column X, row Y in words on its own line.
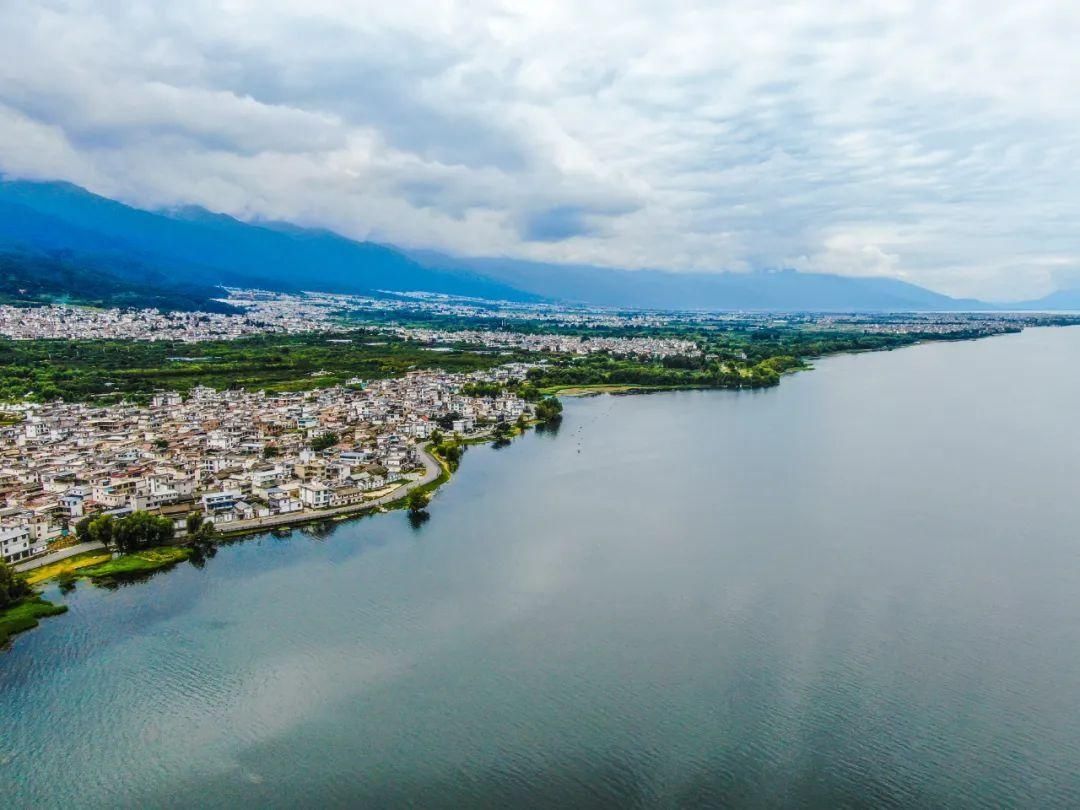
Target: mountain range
column 184, row 253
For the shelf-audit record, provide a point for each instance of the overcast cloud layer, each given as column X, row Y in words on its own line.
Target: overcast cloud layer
column 936, row 142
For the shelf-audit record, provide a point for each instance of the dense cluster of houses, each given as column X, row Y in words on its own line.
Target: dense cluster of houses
column 654, row 347
column 228, row 455
column 290, row 315
column 931, row 323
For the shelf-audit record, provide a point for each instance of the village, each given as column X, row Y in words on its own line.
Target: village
column 261, row 312
column 656, row 347
column 254, row 317
column 235, row 458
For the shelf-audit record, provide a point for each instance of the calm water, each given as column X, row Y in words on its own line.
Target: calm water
column 861, row 588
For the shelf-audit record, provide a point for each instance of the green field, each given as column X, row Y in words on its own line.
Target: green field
column 78, row 370
column 731, row 356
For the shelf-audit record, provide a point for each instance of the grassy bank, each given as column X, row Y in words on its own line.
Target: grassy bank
column 68, row 567
column 24, row 616
column 589, row 390
column 135, row 565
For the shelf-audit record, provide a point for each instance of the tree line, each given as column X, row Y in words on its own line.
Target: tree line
column 140, row 530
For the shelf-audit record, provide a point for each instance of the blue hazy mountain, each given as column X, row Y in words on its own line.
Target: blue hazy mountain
column 205, row 248
column 214, row 248
column 31, row 277
column 779, row 290
column 1059, row 301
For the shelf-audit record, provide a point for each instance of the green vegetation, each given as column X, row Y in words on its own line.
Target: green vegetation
column 549, row 409
column 143, row 540
column 482, row 389
column 502, row 433
column 24, row 615
column 139, row 530
column 66, row 568
column 138, row 564
column 603, row 369
column 731, row 357
column 77, row 370
column 324, row 442
column 449, row 452
column 198, row 528
column 20, row 608
column 13, row 588
column 593, row 390
column 418, row 501
column 750, row 353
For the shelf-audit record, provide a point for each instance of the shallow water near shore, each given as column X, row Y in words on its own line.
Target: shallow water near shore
column 860, row 588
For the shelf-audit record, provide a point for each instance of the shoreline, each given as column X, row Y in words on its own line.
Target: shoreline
column 437, row 472
column 435, row 475
column 26, row 614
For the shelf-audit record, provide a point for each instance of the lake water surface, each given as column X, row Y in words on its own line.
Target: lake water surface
column 860, row 588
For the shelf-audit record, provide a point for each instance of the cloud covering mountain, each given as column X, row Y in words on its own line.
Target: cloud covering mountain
column 60, row 225
column 931, row 142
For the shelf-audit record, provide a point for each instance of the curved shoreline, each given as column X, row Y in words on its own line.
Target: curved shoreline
column 434, row 469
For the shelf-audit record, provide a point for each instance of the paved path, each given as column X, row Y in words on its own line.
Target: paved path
column 432, row 470
column 56, row 556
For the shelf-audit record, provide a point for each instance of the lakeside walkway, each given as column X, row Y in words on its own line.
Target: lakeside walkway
column 432, row 470
column 56, row 556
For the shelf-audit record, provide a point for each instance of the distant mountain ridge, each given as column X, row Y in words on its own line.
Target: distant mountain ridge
column 781, row 290
column 204, row 249
column 1058, row 301
column 217, row 249
column 32, row 278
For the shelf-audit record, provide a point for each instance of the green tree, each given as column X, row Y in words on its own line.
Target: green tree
column 418, row 501
column 482, row 389
column 447, row 422
column 136, row 531
column 194, row 522
column 548, row 408
column 82, row 526
column 12, row 586
column 450, row 453
column 100, row 529
column 324, row 442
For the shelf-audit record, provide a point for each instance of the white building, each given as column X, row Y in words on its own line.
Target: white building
column 15, row 544
column 316, row 496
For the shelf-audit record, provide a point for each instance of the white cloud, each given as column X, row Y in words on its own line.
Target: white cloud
column 937, row 142
column 851, row 254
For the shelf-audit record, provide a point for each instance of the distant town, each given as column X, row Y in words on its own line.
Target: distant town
column 264, row 312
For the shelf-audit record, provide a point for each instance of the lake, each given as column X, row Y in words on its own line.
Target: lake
column 859, row 588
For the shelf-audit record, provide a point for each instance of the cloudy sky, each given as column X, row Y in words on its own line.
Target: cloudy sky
column 937, row 142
